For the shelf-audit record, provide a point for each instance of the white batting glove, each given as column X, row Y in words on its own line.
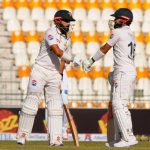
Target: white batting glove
column 87, row 64
column 77, row 61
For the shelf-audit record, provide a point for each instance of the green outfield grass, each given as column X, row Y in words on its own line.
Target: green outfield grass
column 7, row 145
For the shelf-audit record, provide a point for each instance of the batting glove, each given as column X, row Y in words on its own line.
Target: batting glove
column 87, row 64
column 77, row 62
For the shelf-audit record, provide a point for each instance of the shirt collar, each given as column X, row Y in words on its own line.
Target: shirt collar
column 126, row 27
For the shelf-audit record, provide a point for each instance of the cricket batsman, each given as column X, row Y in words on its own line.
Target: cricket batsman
column 124, row 74
column 45, row 75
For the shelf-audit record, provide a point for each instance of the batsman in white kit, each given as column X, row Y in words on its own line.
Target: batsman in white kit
column 123, row 76
column 45, row 75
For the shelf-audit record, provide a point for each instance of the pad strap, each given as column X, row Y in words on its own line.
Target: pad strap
column 55, row 112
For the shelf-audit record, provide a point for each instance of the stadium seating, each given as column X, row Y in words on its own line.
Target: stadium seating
column 13, row 25
column 144, row 85
column 28, row 25
column 26, row 22
column 9, row 13
column 120, row 4
column 64, row 4
column 94, row 14
column 140, row 46
column 79, row 11
column 17, row 36
column 73, row 90
column 42, row 25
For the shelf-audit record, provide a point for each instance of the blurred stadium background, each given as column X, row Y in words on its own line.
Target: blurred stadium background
column 22, row 24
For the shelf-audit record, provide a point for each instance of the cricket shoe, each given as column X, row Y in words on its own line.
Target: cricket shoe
column 21, row 139
column 123, row 143
column 57, row 142
column 110, row 144
column 60, row 144
column 133, row 142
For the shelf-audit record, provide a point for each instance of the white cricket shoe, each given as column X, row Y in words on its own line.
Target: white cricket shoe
column 57, row 142
column 123, row 143
column 60, row 144
column 133, row 142
column 21, row 141
column 110, row 144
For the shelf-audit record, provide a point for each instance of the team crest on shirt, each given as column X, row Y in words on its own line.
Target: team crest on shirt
column 50, row 37
column 111, row 36
column 34, row 82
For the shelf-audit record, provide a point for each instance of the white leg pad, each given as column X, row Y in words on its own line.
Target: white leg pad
column 128, row 114
column 55, row 116
column 120, row 117
column 25, row 125
column 129, row 121
column 27, row 116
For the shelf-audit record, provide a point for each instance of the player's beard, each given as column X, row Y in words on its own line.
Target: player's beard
column 117, row 25
column 64, row 29
column 113, row 24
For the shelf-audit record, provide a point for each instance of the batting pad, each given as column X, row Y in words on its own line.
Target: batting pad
column 128, row 117
column 30, row 105
column 25, row 125
column 27, row 115
column 55, row 117
column 121, row 120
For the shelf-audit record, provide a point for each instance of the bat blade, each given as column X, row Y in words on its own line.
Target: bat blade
column 72, row 125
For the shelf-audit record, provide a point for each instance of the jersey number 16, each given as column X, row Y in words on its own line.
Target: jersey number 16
column 132, row 46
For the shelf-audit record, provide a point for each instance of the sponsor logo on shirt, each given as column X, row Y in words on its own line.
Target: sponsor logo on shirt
column 50, row 37
column 34, row 82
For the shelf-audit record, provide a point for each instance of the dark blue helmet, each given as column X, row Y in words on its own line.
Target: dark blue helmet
column 122, row 16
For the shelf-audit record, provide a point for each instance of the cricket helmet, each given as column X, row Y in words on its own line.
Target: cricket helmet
column 123, row 16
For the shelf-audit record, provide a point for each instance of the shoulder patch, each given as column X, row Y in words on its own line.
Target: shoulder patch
column 50, row 37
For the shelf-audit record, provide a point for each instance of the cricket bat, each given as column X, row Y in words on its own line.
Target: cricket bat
column 110, row 125
column 72, row 125
column 110, row 130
